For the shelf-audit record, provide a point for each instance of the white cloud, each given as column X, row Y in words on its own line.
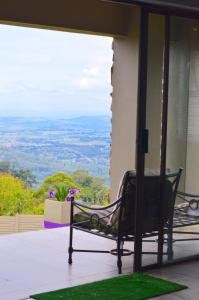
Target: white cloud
column 88, row 79
column 91, row 72
column 85, row 83
column 94, row 77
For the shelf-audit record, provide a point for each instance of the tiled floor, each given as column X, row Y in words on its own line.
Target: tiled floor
column 34, row 262
column 188, row 274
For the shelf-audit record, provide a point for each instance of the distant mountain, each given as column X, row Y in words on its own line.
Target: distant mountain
column 97, row 122
column 49, row 145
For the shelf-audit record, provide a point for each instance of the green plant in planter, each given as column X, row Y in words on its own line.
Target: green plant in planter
column 62, row 193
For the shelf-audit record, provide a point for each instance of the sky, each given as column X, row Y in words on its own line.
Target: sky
column 46, row 73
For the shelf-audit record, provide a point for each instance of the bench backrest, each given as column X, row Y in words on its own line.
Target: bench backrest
column 151, row 201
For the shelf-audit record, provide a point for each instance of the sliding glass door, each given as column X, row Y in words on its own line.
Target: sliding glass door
column 168, row 138
column 151, row 142
column 183, row 132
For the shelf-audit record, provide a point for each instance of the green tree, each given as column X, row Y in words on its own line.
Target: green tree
column 5, row 167
column 92, row 187
column 24, row 174
column 82, row 178
column 15, row 197
column 58, row 181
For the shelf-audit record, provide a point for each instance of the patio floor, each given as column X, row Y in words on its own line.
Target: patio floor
column 35, row 262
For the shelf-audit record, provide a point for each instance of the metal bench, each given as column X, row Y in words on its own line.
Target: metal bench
column 116, row 221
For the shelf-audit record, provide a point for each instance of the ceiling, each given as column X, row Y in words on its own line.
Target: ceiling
column 88, row 16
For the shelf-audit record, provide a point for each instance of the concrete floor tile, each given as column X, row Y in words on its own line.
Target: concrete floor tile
column 35, row 262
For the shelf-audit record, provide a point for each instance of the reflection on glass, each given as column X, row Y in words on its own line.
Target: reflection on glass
column 183, row 130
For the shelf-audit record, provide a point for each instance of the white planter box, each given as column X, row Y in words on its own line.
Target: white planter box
column 57, row 212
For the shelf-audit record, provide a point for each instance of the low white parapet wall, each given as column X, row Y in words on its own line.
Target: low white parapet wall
column 21, row 223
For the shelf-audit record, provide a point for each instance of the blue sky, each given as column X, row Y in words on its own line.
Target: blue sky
column 47, row 73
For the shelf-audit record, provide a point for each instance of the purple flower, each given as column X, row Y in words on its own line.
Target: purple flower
column 68, row 199
column 52, row 194
column 72, row 192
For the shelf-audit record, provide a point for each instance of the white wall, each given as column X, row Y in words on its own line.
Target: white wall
column 124, row 102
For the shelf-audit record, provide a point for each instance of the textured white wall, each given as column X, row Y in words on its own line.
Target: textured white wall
column 124, row 102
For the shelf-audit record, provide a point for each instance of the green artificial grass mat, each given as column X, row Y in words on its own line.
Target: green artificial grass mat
column 136, row 286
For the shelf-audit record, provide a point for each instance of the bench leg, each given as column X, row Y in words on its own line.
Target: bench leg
column 119, row 255
column 170, row 244
column 70, row 249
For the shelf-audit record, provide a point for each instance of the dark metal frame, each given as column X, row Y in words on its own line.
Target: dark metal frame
column 164, row 133
column 141, row 124
column 141, row 127
column 161, row 9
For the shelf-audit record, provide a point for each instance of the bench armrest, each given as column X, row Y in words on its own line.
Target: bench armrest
column 187, row 195
column 79, row 204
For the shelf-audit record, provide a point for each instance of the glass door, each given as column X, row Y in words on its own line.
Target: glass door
column 167, row 198
column 151, row 140
column 183, row 133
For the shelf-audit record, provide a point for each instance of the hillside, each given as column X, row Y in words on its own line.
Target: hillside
column 46, row 146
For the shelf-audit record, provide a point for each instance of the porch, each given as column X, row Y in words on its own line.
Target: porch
column 37, row 261
column 34, row 262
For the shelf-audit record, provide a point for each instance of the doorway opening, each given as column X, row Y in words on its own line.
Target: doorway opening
column 55, row 121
